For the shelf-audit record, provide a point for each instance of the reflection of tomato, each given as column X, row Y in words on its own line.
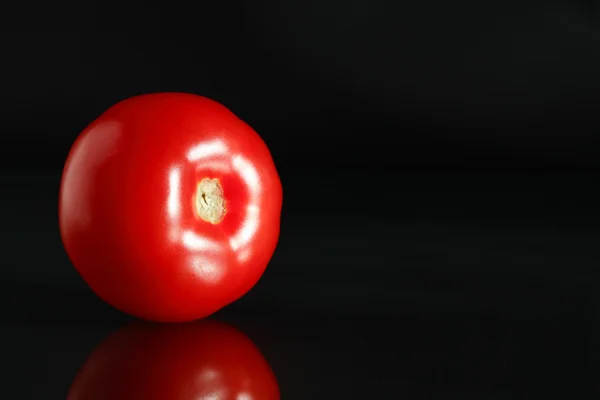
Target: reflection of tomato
column 170, row 206
column 203, row 360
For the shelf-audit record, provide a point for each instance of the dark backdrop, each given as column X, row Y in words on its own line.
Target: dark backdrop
column 438, row 158
column 413, row 84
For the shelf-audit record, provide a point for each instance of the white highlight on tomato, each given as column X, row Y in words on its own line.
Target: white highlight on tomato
column 221, row 166
column 249, row 226
column 248, row 229
column 248, row 173
column 244, row 255
column 208, row 268
column 213, row 388
column 173, row 200
column 209, row 149
column 193, row 241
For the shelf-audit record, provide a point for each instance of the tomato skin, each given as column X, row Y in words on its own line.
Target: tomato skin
column 198, row 360
column 128, row 211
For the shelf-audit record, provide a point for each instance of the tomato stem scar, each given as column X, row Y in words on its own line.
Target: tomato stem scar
column 210, row 203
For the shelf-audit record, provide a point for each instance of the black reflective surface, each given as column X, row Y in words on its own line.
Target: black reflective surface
column 337, row 358
column 455, row 294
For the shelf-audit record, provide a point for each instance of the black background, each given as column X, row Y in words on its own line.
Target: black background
column 439, row 162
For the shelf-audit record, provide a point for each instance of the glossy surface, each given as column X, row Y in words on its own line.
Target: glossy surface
column 128, row 207
column 200, row 360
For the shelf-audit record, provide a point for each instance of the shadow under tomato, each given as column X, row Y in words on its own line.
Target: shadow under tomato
column 200, row 360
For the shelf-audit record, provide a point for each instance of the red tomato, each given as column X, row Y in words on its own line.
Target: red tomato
column 170, row 206
column 201, row 360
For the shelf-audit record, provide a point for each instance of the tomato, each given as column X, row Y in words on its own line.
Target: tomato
column 199, row 360
column 170, row 206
